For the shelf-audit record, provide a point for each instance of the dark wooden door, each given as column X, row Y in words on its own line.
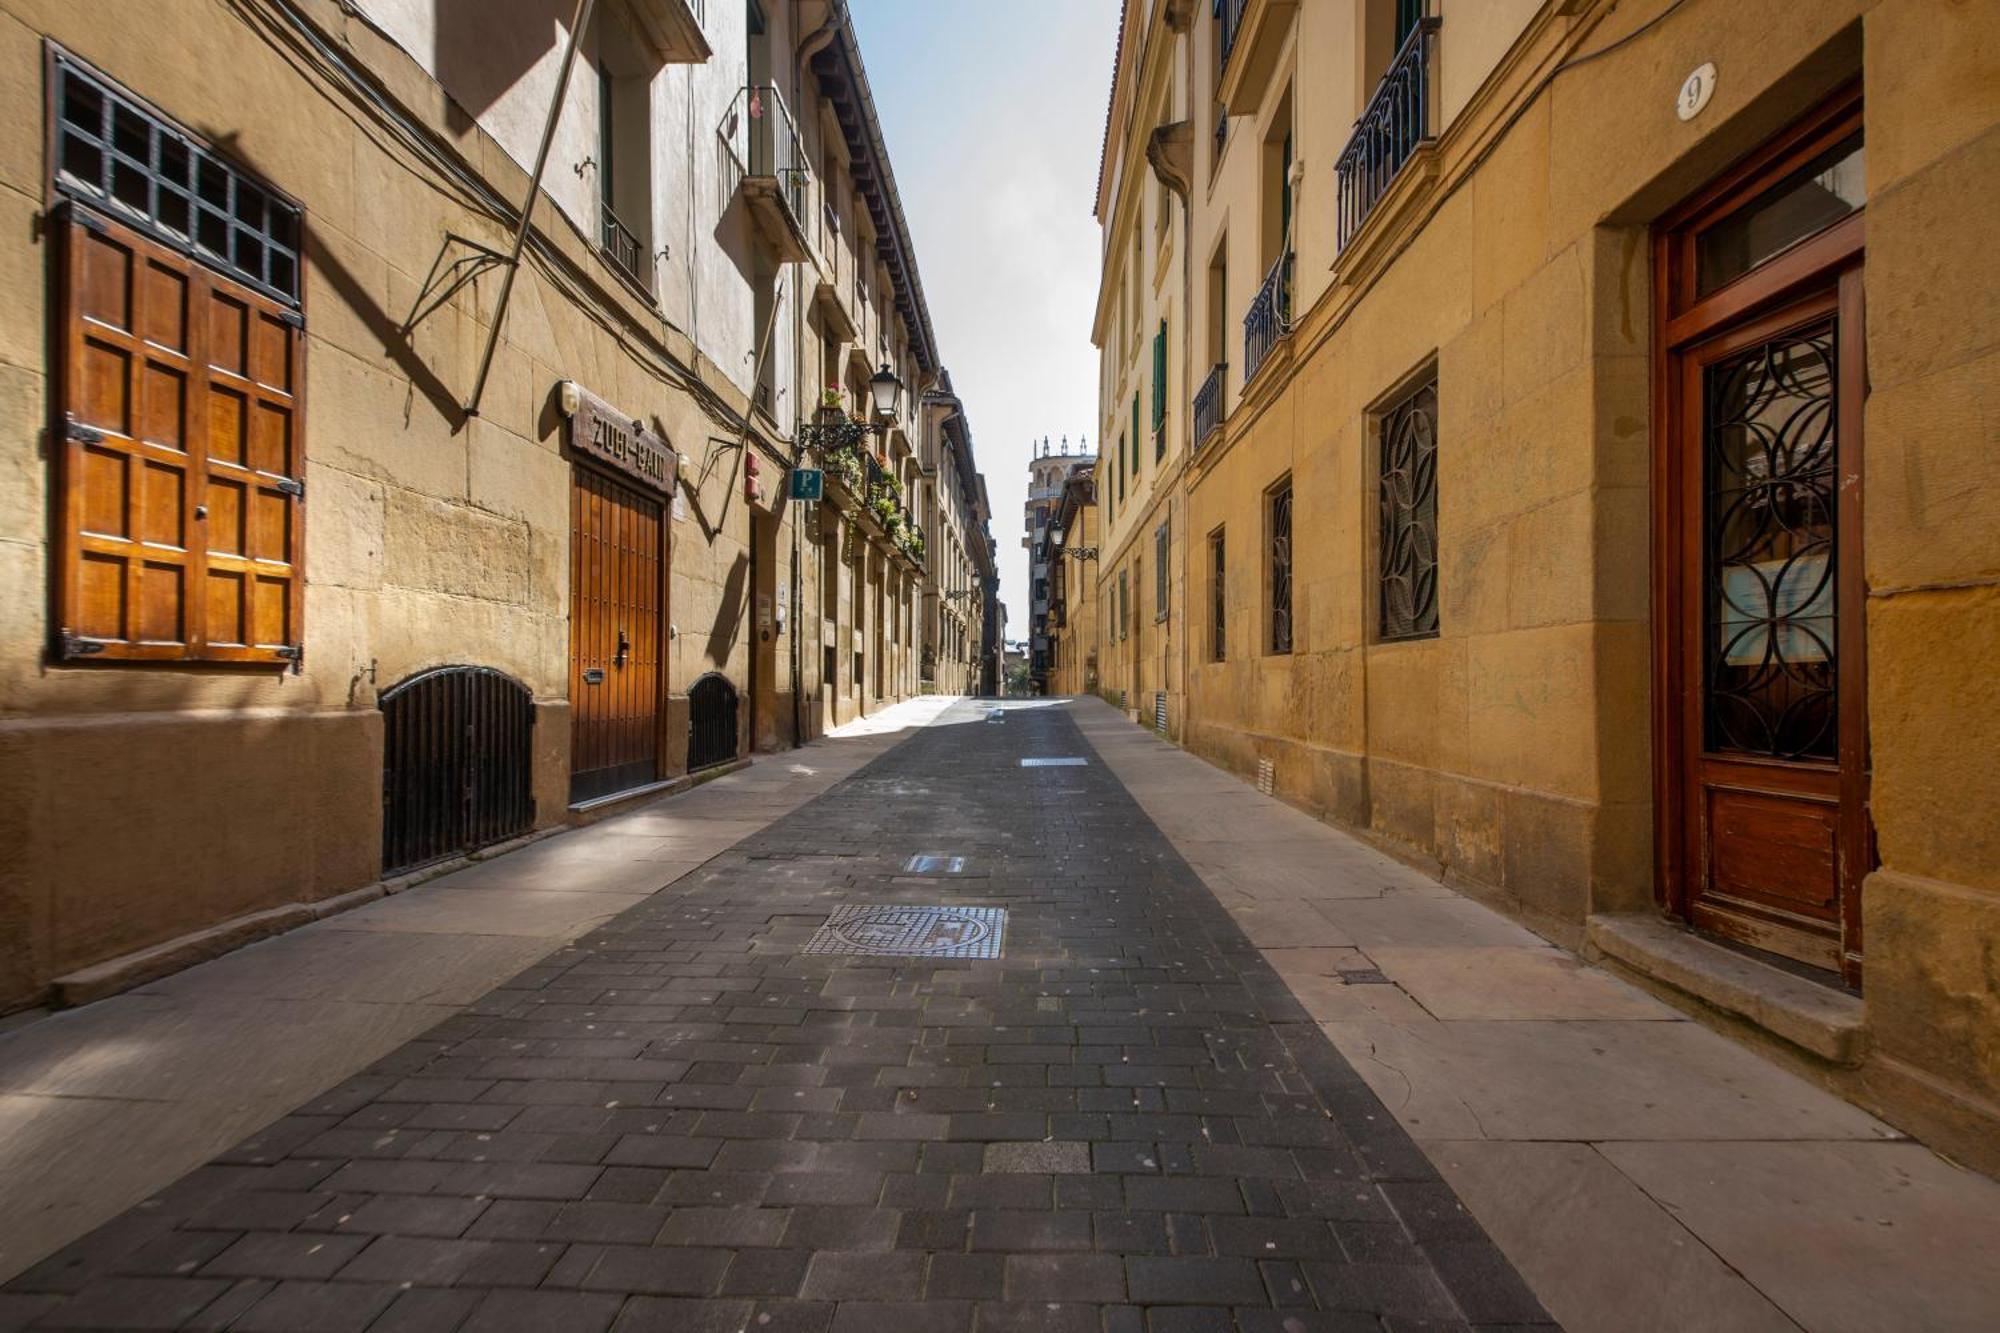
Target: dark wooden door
column 617, row 606
column 1764, row 830
column 1769, row 619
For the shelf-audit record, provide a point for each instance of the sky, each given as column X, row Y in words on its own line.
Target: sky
column 994, row 115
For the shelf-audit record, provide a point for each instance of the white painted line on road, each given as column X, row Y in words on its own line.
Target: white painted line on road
column 1054, row 763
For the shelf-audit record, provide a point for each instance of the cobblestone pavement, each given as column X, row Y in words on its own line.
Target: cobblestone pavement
column 685, row 1121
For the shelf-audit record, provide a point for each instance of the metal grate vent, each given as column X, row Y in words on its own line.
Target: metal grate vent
column 911, row 932
column 1160, row 713
column 1266, row 776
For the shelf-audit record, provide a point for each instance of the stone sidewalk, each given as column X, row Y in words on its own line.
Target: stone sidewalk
column 100, row 1106
column 1643, row 1172
column 693, row 1118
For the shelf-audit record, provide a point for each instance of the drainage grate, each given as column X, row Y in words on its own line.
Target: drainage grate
column 1053, row 763
column 924, row 863
column 912, row 932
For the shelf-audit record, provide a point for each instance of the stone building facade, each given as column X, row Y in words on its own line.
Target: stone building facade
column 260, row 270
column 1526, row 354
column 1075, row 619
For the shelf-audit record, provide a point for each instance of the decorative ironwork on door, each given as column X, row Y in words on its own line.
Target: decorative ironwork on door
column 1409, row 572
column 1770, row 498
column 457, row 764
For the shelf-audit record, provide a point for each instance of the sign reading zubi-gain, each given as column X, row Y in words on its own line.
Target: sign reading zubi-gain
column 598, row 430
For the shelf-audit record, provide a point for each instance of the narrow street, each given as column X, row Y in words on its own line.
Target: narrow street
column 1131, row 1118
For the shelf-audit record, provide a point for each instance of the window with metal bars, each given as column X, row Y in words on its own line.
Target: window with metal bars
column 1161, row 541
column 1218, row 604
column 1160, row 392
column 1406, row 562
column 1281, row 567
column 113, row 152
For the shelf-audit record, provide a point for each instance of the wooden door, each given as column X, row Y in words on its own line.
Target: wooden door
column 617, row 606
column 1764, row 786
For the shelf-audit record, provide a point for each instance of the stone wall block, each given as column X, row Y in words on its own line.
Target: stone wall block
column 1933, row 977
column 1510, row 210
column 1933, row 281
column 455, row 549
column 1934, row 732
column 1532, row 716
column 1930, row 81
column 1933, row 477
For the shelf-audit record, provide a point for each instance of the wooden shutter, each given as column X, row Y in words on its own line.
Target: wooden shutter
column 1160, row 389
column 181, row 471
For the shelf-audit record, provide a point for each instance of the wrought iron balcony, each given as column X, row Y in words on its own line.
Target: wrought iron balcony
column 1229, row 23
column 621, row 246
column 777, row 178
column 1270, row 316
column 1395, row 124
column 1208, row 404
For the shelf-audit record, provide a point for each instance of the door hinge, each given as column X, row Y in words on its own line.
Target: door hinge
column 75, row 645
column 292, row 486
column 295, row 653
column 83, row 434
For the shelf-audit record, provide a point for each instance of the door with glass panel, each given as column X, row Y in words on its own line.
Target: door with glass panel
column 1764, row 831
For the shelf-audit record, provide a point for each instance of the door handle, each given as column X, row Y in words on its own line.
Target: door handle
column 624, row 646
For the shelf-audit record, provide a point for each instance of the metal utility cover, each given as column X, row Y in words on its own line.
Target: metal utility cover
column 1053, row 763
column 911, row 932
column 926, row 864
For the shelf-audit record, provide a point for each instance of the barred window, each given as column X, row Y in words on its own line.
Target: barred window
column 113, row 152
column 1408, row 566
column 1161, row 541
column 1281, row 568
column 1218, row 605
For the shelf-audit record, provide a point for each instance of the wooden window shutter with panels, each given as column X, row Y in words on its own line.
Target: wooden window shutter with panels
column 181, row 474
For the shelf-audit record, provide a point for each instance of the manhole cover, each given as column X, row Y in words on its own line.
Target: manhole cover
column 1054, row 763
column 926, row 864
column 912, row 932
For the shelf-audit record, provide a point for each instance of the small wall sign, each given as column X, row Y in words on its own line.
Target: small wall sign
column 1695, row 91
column 598, row 430
column 808, row 483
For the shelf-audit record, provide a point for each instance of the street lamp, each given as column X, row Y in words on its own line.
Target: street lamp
column 1056, row 538
column 885, row 388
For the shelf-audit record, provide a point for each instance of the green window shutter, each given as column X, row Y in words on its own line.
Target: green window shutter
column 1135, row 432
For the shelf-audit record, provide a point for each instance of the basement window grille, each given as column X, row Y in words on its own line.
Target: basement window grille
column 113, row 152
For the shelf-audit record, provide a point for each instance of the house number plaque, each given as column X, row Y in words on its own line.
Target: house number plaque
column 1695, row 91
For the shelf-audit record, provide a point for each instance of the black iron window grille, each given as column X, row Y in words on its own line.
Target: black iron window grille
column 621, row 245
column 1270, row 316
column 1396, row 122
column 1408, row 555
column 1162, row 543
column 712, row 720
column 457, row 764
column 1770, row 517
column 113, row 152
column 1281, row 569
column 1208, row 404
column 1218, row 601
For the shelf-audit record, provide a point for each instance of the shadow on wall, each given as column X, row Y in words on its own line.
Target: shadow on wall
column 729, row 611
column 483, row 47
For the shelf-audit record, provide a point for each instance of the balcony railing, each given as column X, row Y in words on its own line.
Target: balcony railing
column 1396, row 122
column 1208, row 404
column 621, row 245
column 1270, row 316
column 761, row 132
column 1229, row 22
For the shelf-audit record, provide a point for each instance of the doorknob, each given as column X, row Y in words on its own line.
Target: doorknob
column 624, row 646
